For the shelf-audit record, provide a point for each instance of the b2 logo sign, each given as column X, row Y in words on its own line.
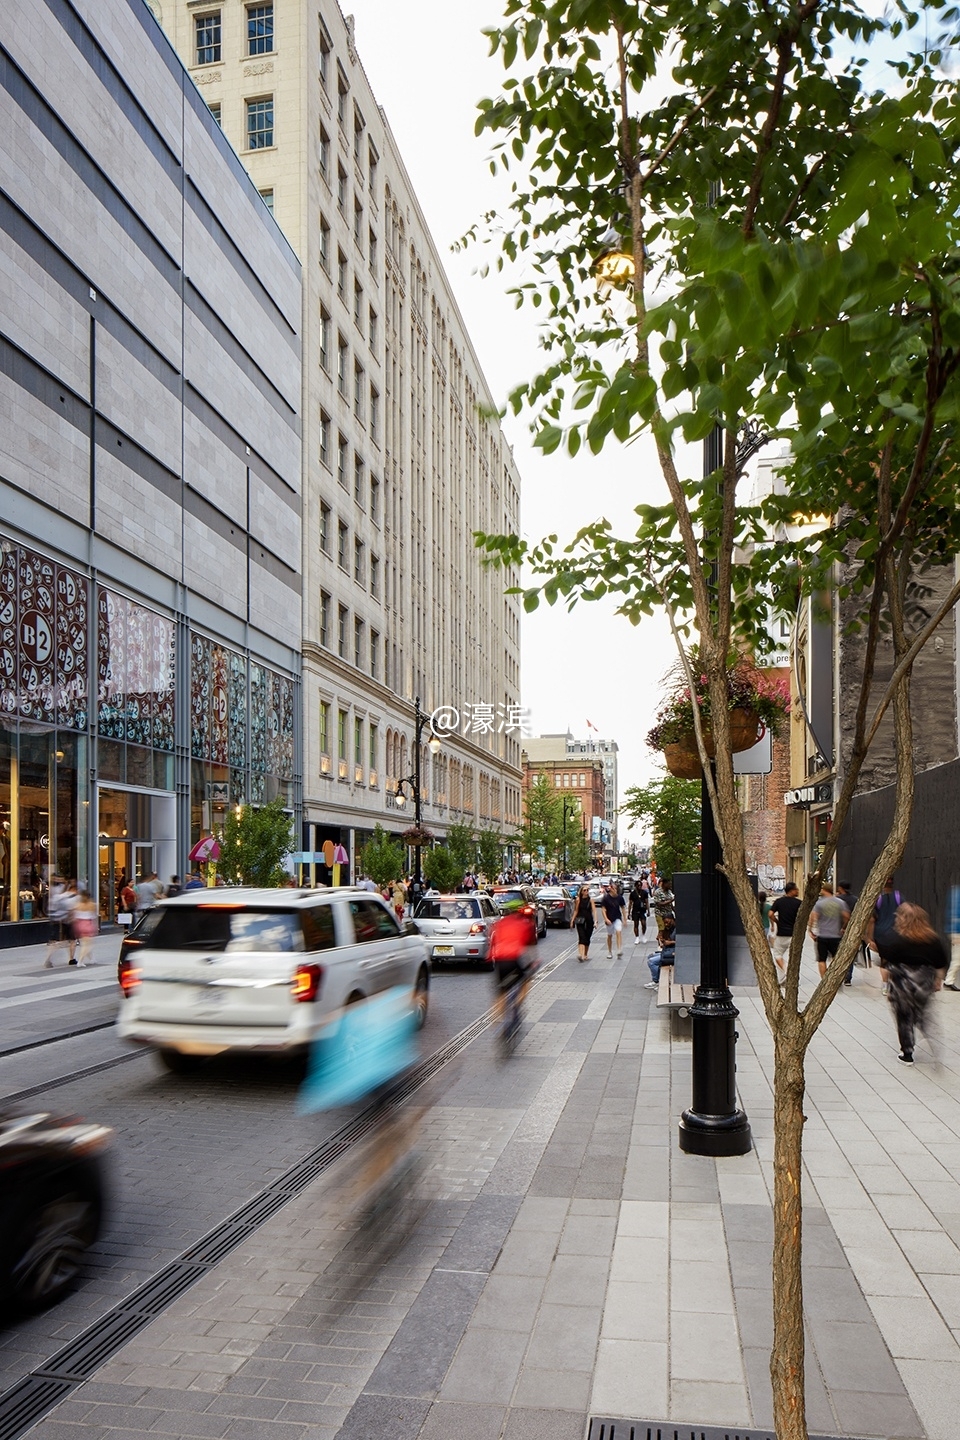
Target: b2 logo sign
column 36, row 637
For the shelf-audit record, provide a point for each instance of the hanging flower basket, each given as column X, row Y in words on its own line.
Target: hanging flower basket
column 413, row 836
column 745, row 731
column 682, row 760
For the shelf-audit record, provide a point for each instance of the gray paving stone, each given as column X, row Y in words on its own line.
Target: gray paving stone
column 416, row 1360
column 386, row 1417
column 481, row 1233
column 484, row 1369
column 864, row 1412
column 463, row 1422
column 854, row 1357
column 544, row 1425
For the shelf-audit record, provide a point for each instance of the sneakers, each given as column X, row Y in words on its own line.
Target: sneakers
column 652, row 985
column 885, row 988
column 48, row 964
column 906, row 1059
column 948, row 986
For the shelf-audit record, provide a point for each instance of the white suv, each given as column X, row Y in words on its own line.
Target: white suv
column 259, row 970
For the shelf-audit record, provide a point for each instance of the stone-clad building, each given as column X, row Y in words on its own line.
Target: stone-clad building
column 150, row 438
column 403, row 458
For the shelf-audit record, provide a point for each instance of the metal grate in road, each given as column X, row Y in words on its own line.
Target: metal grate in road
column 606, row 1429
column 33, row 1396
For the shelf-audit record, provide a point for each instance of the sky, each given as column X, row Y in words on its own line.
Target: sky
column 428, row 64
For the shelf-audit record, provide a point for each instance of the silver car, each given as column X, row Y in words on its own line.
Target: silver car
column 456, row 927
column 259, row 970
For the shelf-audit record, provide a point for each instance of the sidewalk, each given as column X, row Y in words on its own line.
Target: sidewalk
column 573, row 1263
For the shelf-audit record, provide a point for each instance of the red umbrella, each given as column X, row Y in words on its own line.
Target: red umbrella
column 206, row 849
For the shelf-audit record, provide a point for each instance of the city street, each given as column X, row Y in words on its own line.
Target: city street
column 563, row 1261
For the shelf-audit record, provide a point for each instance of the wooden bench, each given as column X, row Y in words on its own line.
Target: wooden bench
column 674, row 997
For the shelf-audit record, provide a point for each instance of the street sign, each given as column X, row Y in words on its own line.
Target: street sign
column 758, row 760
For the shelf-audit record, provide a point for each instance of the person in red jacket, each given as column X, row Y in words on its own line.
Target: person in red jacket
column 510, row 940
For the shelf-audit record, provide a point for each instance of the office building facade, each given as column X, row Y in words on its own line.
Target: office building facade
column 402, row 461
column 150, row 542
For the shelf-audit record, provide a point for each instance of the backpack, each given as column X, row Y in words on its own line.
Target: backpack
column 884, row 913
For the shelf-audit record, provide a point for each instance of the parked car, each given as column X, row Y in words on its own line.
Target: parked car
column 260, row 970
column 558, row 904
column 456, row 927
column 508, row 895
column 52, row 1200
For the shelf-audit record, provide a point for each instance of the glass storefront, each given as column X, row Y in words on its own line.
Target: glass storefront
column 60, row 754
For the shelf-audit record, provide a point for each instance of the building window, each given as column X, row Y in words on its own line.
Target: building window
column 358, row 223
column 325, row 245
column 358, row 468
column 375, row 412
column 372, row 160
column 215, row 112
column 375, row 674
column 326, row 49
column 342, row 365
column 343, row 90
column 556, row 781
column 267, row 197
column 358, row 643
column 324, row 527
column 342, row 453
column 358, row 305
column 325, row 155
column 341, row 734
column 324, row 729
column 342, row 537
column 259, row 29
column 342, row 631
column 373, row 328
column 341, row 189
column 209, row 36
column 374, row 747
column 358, row 554
column 358, row 391
column 358, row 742
column 375, row 499
column 259, row 124
column 341, row 274
column 372, row 248
column 583, row 781
column 374, row 577
column 324, row 619
column 325, row 331
column 358, row 129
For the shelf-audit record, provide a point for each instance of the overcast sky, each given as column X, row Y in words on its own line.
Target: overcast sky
column 428, row 64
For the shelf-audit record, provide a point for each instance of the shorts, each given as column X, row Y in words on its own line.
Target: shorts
column 826, row 947
column 614, row 927
column 781, row 945
column 507, row 973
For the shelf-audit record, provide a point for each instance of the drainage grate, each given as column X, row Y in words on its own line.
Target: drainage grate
column 35, row 1394
column 605, row 1429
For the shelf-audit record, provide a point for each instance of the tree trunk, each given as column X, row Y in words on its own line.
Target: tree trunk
column 786, row 1358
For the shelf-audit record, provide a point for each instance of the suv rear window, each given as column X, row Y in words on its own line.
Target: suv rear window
column 220, row 927
column 465, row 909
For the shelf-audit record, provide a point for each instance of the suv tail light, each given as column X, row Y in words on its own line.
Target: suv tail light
column 477, row 929
column 128, row 976
column 306, row 982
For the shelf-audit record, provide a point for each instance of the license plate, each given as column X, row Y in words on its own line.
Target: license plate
column 443, row 950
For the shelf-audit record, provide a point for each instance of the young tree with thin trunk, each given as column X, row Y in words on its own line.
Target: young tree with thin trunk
column 791, row 238
column 670, row 808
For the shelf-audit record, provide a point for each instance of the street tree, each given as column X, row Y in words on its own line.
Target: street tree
column 490, row 850
column 787, row 228
column 255, row 843
column 577, row 845
column 462, row 844
column 382, row 858
column 543, row 821
column 670, row 809
column 442, row 869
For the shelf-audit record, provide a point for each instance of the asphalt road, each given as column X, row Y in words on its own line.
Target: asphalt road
column 188, row 1150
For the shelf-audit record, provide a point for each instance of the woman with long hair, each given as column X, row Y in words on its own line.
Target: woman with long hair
column 585, row 919
column 916, row 960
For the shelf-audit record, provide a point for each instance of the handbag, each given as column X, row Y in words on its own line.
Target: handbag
column 367, row 1046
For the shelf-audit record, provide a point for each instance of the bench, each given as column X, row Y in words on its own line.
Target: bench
column 674, row 997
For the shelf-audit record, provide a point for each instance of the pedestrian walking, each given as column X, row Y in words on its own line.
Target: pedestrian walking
column 60, row 905
column 953, row 930
column 784, row 912
column 845, row 893
column 916, row 961
column 85, row 924
column 613, row 907
column 148, row 891
column 398, row 899
column 881, row 925
column 828, row 920
column 585, row 919
column 639, row 909
column 174, row 888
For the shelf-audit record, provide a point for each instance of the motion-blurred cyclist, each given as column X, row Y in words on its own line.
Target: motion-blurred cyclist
column 510, row 941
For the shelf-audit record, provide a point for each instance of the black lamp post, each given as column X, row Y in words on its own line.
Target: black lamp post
column 569, row 808
column 420, row 723
column 714, row 1125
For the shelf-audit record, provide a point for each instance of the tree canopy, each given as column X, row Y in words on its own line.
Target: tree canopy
column 670, row 808
column 255, row 844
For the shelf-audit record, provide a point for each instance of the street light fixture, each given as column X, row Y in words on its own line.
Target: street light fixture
column 412, row 782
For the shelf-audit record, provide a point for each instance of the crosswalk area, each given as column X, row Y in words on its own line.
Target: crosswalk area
column 38, row 1003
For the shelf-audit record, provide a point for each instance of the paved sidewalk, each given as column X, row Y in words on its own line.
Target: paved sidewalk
column 572, row 1262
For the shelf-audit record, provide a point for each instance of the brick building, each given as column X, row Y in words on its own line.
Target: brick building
column 579, row 778
column 765, row 815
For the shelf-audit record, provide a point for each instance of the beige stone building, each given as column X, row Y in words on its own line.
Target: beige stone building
column 400, row 462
